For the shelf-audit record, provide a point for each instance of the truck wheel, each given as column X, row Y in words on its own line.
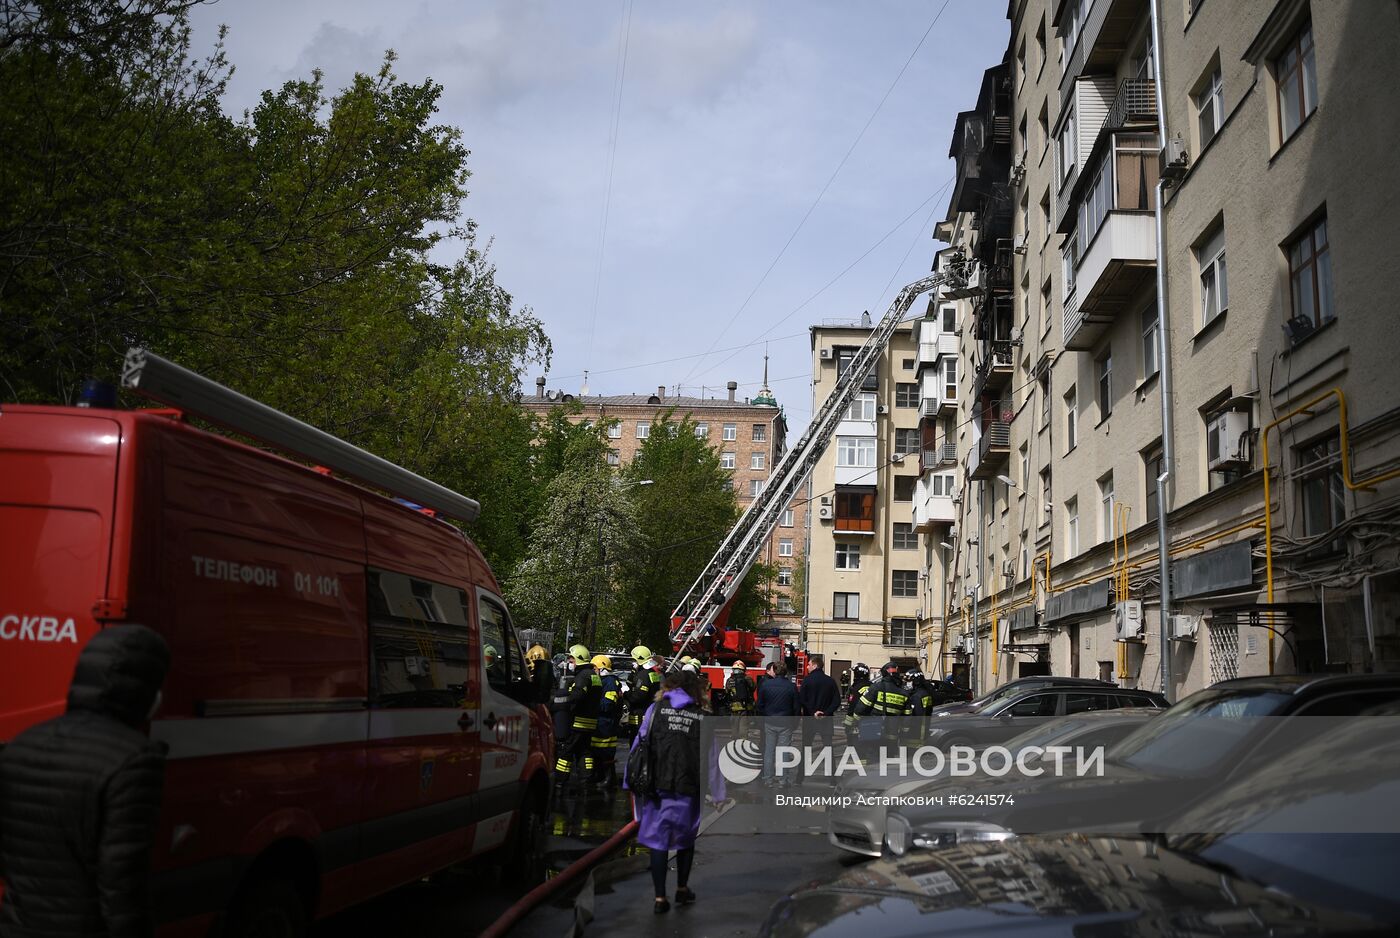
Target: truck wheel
column 526, row 861
column 269, row 908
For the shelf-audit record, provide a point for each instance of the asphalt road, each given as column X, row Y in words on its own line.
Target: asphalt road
column 738, row 875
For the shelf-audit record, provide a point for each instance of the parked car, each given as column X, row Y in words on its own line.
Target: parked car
column 1016, row 688
column 1215, row 737
column 860, row 828
column 999, row 721
column 946, row 692
column 1306, row 851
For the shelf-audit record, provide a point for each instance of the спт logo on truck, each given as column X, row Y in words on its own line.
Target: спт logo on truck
column 21, row 628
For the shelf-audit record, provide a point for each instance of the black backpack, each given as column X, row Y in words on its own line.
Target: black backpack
column 641, row 765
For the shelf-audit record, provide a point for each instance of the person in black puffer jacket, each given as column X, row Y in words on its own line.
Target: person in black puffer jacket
column 80, row 795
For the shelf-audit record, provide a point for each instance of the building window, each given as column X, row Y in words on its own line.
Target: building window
column 760, row 433
column 1215, row 293
column 614, row 457
column 1043, row 125
column 862, row 408
column 1310, row 274
column 787, row 518
column 1320, row 487
column 847, row 556
column 1152, row 470
column 906, row 442
column 904, row 488
column 855, row 511
column 950, row 379
column 845, row 606
column 643, row 429
column 731, row 431
column 1045, row 503
column 1066, row 150
column 758, row 460
column 1106, row 506
column 785, row 606
column 906, row 395
column 728, row 485
column 949, row 315
column 702, row 431
column 1025, row 476
column 904, row 536
column 1044, row 382
column 1021, row 63
column 855, row 452
column 614, row 431
column 904, row 583
column 784, row 547
column 1151, row 341
column 755, row 488
column 785, row 576
column 726, row 460
column 1072, row 527
column 903, row 632
column 1209, row 101
column 1104, row 369
column 1295, row 70
column 1045, row 305
column 1071, row 419
column 909, row 364
column 1040, row 45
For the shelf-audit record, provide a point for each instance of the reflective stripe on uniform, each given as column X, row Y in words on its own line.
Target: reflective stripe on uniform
column 585, row 723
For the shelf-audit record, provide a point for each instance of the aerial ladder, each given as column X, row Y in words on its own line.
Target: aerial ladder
column 707, row 602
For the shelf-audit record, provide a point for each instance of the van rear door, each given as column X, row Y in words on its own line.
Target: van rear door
column 58, row 471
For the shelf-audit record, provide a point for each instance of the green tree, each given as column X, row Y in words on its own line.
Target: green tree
column 684, row 514
column 581, row 550
column 314, row 254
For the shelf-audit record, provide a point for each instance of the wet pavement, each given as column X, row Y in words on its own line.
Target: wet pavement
column 738, row 875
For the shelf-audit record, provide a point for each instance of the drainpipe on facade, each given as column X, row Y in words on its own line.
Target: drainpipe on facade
column 977, row 594
column 1165, row 388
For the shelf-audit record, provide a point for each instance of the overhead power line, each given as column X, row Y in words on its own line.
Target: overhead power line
column 830, row 179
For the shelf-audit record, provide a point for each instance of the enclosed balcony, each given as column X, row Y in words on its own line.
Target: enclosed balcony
column 934, row 344
column 992, row 453
column 938, row 389
column 933, row 502
column 1112, row 250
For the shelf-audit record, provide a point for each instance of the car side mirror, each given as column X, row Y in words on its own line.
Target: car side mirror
column 1004, row 716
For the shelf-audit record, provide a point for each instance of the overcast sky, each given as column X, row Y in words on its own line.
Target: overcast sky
column 732, row 119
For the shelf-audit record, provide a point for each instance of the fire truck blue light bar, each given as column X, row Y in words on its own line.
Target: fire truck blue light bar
column 161, row 380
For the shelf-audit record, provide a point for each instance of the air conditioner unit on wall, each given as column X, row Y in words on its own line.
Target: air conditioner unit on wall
column 826, row 354
column 1227, row 439
column 969, row 643
column 1184, row 628
column 1174, row 159
column 1127, row 615
column 825, row 513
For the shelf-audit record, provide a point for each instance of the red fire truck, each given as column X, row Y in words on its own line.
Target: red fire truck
column 348, row 708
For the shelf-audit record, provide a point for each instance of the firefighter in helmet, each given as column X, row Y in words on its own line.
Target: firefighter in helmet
column 879, row 706
column 604, row 741
column 920, row 707
column 740, row 690
column 646, row 681
column 578, row 696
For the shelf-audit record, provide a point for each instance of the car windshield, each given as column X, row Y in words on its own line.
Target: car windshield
column 1197, row 735
column 1003, row 693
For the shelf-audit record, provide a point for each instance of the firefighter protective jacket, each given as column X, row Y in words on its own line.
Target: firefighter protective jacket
column 740, row 690
column 645, row 683
column 578, row 697
column 883, row 698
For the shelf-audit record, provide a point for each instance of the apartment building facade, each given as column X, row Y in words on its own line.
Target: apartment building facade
column 750, row 436
column 865, row 590
column 1274, row 138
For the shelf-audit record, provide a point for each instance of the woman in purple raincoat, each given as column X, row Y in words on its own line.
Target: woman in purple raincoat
column 671, row 820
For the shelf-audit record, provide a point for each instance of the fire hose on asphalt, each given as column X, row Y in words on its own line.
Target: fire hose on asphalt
column 550, row 886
